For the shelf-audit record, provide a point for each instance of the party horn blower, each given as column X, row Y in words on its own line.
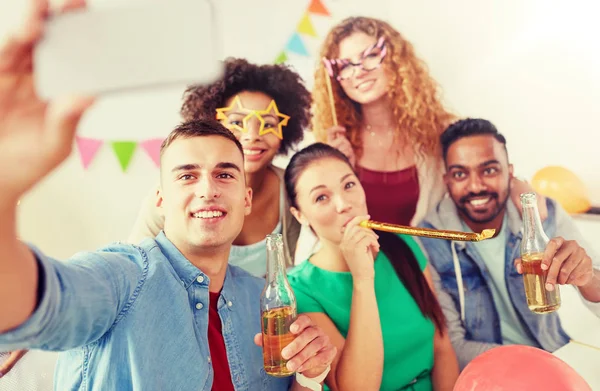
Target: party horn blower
column 429, row 233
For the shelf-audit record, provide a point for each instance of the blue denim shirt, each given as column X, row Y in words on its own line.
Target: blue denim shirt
column 479, row 329
column 136, row 318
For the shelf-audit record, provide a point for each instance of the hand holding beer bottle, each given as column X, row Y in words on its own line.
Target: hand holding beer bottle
column 546, row 263
column 290, row 343
column 278, row 309
column 539, row 299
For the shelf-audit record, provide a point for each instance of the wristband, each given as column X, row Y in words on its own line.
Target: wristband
column 313, row 383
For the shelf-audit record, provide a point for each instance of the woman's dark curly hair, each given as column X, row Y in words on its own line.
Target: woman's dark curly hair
column 277, row 81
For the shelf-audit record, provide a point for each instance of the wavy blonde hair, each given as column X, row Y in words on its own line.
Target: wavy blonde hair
column 413, row 94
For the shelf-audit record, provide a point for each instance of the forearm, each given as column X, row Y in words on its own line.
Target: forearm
column 591, row 291
column 80, row 300
column 18, row 272
column 445, row 364
column 361, row 362
column 466, row 350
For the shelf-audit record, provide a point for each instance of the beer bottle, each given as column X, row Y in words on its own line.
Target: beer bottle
column 278, row 308
column 539, row 299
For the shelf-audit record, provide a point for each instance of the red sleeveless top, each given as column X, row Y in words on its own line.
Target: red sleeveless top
column 391, row 196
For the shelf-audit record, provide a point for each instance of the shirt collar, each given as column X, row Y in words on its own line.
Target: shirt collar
column 186, row 272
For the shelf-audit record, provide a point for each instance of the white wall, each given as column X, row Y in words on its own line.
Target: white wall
column 529, row 66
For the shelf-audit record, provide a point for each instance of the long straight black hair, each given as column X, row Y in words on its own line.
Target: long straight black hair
column 397, row 250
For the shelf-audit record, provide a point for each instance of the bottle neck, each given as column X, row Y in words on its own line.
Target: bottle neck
column 532, row 223
column 275, row 260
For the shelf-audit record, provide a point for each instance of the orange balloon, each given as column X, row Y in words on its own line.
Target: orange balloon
column 519, row 368
column 563, row 186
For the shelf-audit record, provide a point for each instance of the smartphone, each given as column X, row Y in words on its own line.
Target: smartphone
column 148, row 44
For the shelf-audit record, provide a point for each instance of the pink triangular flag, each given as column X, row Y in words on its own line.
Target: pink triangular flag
column 152, row 148
column 87, row 149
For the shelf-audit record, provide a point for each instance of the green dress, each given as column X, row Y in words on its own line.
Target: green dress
column 407, row 334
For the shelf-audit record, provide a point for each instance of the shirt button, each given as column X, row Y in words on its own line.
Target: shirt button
column 199, row 306
column 229, row 303
column 200, row 279
column 209, row 360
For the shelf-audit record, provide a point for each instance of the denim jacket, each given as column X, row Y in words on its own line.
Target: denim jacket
column 462, row 281
column 136, row 318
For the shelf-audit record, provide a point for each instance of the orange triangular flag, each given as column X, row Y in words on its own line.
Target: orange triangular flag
column 317, row 7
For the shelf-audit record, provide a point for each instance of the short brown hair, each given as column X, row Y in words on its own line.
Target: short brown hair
column 200, row 128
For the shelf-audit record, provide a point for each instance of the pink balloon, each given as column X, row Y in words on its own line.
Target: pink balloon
column 516, row 368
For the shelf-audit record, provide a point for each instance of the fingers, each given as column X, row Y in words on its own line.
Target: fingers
column 11, row 361
column 518, row 265
column 353, row 225
column 16, row 47
column 319, row 362
column 583, row 273
column 301, row 360
column 299, row 344
column 258, row 339
column 70, row 5
column 62, row 120
column 570, row 259
column 357, row 238
column 354, row 222
column 343, row 145
column 300, row 324
column 365, row 238
column 553, row 260
column 550, row 251
column 309, row 343
column 334, row 132
column 576, row 265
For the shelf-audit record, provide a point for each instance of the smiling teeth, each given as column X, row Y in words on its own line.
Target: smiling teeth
column 252, row 151
column 479, row 201
column 206, row 214
column 364, row 84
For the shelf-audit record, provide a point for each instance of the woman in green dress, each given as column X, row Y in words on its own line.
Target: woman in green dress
column 371, row 293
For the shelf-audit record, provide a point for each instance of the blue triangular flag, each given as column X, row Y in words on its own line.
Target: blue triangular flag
column 296, row 45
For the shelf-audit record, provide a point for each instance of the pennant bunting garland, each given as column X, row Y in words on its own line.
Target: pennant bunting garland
column 152, row 148
column 296, row 45
column 281, row 58
column 124, row 151
column 305, row 28
column 87, row 149
column 317, row 7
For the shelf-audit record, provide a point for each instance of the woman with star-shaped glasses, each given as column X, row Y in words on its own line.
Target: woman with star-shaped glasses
column 266, row 107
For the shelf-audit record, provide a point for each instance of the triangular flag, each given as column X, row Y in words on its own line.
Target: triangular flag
column 87, row 149
column 296, row 45
column 305, row 26
column 281, row 58
column 152, row 148
column 124, row 151
column 317, row 7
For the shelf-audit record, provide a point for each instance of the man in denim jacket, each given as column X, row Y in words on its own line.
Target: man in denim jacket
column 169, row 314
column 479, row 285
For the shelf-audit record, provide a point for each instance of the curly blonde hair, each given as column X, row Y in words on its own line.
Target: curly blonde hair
column 417, row 109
